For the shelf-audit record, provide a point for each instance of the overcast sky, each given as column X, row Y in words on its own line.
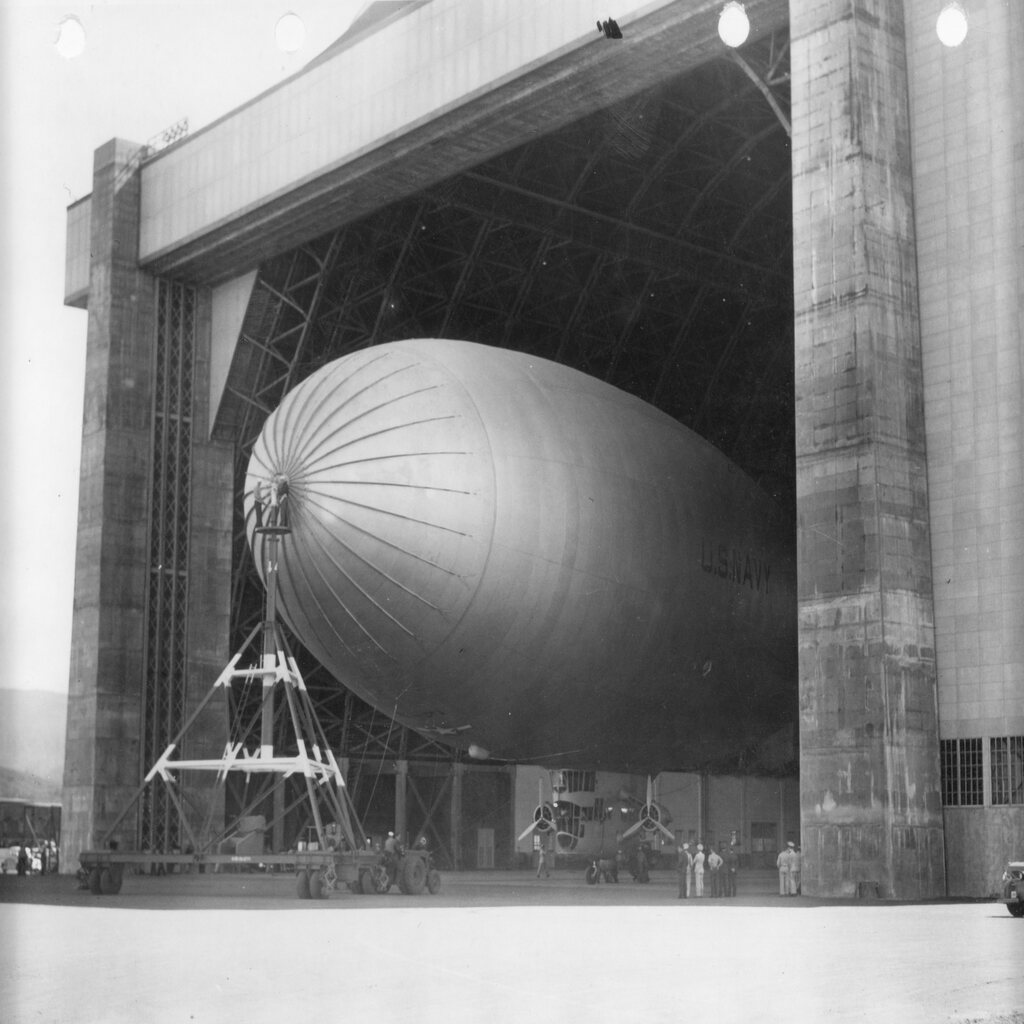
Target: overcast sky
column 145, row 65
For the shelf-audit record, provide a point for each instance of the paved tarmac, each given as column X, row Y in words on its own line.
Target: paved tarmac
column 496, row 947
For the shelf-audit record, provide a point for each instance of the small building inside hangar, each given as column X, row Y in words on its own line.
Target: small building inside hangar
column 630, row 207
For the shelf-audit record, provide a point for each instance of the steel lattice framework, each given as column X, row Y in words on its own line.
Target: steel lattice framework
column 649, row 245
column 165, row 689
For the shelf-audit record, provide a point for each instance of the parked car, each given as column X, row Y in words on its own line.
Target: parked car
column 1013, row 888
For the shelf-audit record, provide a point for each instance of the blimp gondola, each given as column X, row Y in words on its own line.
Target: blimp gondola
column 523, row 561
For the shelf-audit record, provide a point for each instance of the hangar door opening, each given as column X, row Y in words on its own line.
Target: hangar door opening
column 648, row 243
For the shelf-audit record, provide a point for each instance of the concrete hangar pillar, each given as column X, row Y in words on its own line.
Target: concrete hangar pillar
column 907, row 164
column 153, row 562
column 870, row 802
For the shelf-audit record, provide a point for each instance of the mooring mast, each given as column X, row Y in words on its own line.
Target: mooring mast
column 326, row 794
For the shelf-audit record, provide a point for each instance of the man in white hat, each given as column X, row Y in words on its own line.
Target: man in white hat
column 784, row 863
column 685, row 868
column 698, row 871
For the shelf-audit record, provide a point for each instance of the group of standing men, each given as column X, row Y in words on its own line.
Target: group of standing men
column 721, row 867
column 45, row 855
column 788, row 863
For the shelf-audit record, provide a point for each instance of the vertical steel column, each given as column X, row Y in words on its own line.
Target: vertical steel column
column 782, row 814
column 401, row 793
column 267, row 708
column 458, row 772
column 273, row 543
column 742, row 824
column 166, row 643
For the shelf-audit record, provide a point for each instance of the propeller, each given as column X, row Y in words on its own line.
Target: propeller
column 650, row 816
column 543, row 815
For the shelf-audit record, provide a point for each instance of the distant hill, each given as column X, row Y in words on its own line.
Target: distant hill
column 32, row 728
column 25, row 786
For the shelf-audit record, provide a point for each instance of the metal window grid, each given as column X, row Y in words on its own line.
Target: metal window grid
column 1007, row 769
column 962, row 772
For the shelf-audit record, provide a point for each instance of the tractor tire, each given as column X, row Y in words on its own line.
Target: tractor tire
column 412, row 874
column 94, row 881
column 302, row 885
column 316, row 886
column 110, row 880
column 433, row 881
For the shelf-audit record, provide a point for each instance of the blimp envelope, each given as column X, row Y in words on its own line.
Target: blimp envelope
column 504, row 552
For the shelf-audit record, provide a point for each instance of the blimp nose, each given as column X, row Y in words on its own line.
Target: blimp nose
column 385, row 469
column 480, row 539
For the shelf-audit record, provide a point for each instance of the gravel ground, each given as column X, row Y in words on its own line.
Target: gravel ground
column 495, row 947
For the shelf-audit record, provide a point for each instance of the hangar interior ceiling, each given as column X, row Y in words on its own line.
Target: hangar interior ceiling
column 648, row 244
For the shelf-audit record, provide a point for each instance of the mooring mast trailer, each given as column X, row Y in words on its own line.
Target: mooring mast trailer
column 339, row 854
column 317, row 872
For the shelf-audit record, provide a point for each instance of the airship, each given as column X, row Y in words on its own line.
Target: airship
column 525, row 562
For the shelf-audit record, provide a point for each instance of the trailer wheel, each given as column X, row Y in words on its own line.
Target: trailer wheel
column 110, row 880
column 413, row 872
column 94, row 881
column 433, row 881
column 316, row 886
column 302, row 885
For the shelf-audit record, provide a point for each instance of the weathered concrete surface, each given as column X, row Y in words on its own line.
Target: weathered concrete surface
column 440, row 90
column 505, row 948
column 102, row 747
column 968, row 158
column 870, row 798
column 979, row 842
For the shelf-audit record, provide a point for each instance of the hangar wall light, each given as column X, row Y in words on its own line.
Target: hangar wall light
column 70, row 37
column 951, row 26
column 733, row 24
column 290, row 33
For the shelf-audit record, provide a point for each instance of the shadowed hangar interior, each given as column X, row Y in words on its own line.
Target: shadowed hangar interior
column 647, row 244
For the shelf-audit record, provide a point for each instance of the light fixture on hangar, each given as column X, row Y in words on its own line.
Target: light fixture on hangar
column 733, row 24
column 951, row 25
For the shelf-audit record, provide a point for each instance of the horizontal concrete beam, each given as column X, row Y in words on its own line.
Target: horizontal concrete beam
column 431, row 94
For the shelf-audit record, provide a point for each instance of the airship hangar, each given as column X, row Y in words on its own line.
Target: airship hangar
column 807, row 249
